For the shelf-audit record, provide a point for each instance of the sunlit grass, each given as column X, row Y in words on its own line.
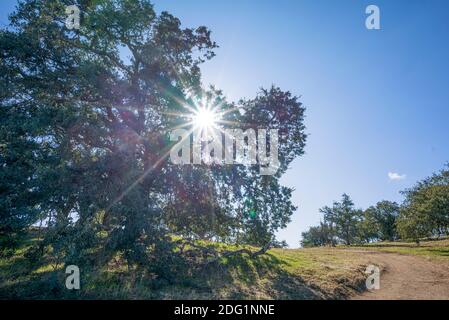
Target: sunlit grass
column 434, row 249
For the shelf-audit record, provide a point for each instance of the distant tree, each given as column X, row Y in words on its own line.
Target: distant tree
column 367, row 228
column 381, row 220
column 413, row 224
column 343, row 219
column 312, row 237
column 318, row 236
column 425, row 211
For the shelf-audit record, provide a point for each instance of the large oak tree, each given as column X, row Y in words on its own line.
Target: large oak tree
column 85, row 116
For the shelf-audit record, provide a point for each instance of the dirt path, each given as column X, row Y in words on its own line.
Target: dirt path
column 408, row 277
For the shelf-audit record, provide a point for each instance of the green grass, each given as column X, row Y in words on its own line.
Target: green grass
column 433, row 249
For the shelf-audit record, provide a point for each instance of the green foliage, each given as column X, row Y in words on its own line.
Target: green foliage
column 425, row 211
column 345, row 224
column 83, row 140
column 367, row 228
column 423, row 214
column 381, row 221
column 343, row 219
column 319, row 236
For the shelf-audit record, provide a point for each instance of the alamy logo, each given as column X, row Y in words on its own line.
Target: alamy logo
column 373, row 280
column 73, row 17
column 372, row 22
column 72, row 282
column 227, row 147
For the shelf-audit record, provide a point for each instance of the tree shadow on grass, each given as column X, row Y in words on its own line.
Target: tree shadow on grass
column 45, row 285
column 20, row 279
column 249, row 278
column 236, row 277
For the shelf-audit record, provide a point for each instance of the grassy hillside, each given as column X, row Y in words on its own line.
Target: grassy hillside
column 280, row 274
column 315, row 273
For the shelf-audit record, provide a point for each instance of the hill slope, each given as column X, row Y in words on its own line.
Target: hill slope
column 315, row 273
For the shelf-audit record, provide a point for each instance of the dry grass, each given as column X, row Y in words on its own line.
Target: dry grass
column 320, row 273
column 432, row 249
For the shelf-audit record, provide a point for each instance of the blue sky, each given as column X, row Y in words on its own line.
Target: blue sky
column 377, row 100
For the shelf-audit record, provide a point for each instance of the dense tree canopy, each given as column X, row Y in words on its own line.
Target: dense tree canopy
column 381, row 220
column 425, row 211
column 318, row 236
column 85, row 119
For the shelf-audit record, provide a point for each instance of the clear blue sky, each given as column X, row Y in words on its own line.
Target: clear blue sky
column 377, row 101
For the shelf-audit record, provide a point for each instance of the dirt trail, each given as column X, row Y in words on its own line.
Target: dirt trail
column 408, row 277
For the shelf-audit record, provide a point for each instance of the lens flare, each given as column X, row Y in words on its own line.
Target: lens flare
column 205, row 119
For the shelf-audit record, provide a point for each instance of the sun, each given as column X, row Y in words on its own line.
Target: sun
column 204, row 119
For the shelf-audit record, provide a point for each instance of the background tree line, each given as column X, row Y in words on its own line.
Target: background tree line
column 423, row 214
